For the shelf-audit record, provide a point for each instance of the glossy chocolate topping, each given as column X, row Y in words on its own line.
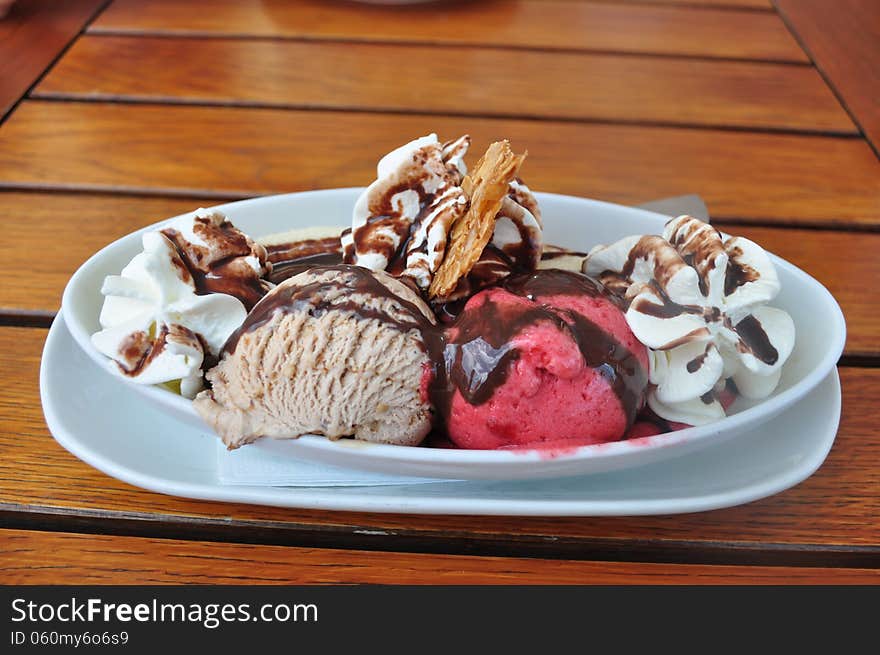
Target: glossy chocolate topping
column 550, row 255
column 737, row 273
column 668, row 308
column 221, row 267
column 322, row 294
column 697, row 362
column 477, row 358
column 139, row 349
column 526, row 248
column 386, row 220
column 667, row 262
column 287, row 269
column 294, row 257
column 699, row 245
column 754, row 340
column 426, row 180
column 282, row 252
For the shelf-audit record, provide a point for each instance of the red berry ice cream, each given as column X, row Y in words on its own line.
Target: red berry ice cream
column 547, row 359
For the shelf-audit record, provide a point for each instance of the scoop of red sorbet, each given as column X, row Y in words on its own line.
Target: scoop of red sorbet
column 546, row 360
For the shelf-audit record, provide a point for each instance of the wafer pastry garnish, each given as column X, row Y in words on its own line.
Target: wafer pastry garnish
column 486, row 186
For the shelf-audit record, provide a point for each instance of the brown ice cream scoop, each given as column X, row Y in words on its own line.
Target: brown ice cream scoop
column 334, row 351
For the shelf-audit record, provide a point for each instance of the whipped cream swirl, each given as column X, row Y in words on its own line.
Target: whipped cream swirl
column 175, row 304
column 401, row 222
column 698, row 302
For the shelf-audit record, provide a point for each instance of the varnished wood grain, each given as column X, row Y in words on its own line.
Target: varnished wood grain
column 65, row 229
column 843, row 38
column 234, row 152
column 831, row 514
column 843, row 262
column 33, row 557
column 32, row 35
column 551, row 24
column 461, row 81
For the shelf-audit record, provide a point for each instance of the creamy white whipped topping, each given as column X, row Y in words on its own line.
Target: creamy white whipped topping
column 416, row 192
column 698, row 302
column 401, row 222
column 155, row 327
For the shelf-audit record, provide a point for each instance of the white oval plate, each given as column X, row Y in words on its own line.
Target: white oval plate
column 576, row 223
column 108, row 426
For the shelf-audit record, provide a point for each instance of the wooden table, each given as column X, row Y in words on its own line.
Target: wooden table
column 118, row 113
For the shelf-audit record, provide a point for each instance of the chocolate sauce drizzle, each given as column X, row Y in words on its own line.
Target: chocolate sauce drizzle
column 668, row 308
column 699, row 245
column 288, row 268
column 385, row 217
column 295, row 257
column 478, row 359
column 312, row 297
column 286, row 251
column 138, row 351
column 387, row 231
column 225, row 275
column 600, row 350
column 737, row 273
column 697, row 362
column 550, row 255
column 753, row 339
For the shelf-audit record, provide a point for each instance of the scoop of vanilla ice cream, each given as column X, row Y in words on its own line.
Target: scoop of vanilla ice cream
column 334, row 351
column 161, row 318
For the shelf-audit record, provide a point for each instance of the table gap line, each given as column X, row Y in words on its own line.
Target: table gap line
column 875, row 148
column 476, row 45
column 28, row 318
column 860, row 360
column 49, row 519
column 63, row 51
column 206, row 194
column 171, row 101
column 794, row 223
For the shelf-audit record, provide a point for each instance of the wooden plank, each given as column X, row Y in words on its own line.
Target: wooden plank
column 843, row 38
column 551, row 24
column 462, row 81
column 844, row 276
column 233, row 152
column 33, row 558
column 81, row 224
column 32, row 35
column 828, row 517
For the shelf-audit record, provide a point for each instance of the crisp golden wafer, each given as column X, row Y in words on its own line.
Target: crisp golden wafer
column 486, row 186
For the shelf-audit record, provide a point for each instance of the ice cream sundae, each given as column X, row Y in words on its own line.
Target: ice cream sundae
column 440, row 316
